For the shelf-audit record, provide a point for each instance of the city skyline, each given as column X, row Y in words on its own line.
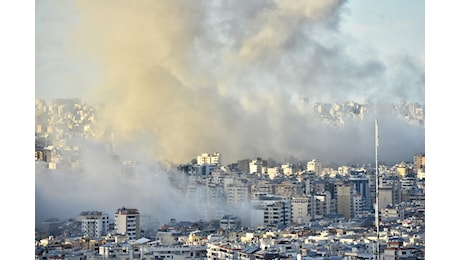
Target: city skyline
column 72, row 168
column 442, row 50
column 224, row 77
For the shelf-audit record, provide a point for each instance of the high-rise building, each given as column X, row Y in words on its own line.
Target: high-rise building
column 358, row 203
column 315, row 166
column 361, row 186
column 390, row 191
column 127, row 221
column 301, row 209
column 321, row 205
column 255, row 166
column 419, row 163
column 94, row 223
column 287, row 169
column 238, row 194
column 385, row 197
column 277, row 214
column 344, row 193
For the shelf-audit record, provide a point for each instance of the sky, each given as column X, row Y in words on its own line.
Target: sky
column 368, row 29
column 52, row 61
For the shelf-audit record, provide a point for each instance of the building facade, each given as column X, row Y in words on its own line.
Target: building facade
column 315, row 166
column 211, row 159
column 344, row 193
column 94, row 223
column 127, row 221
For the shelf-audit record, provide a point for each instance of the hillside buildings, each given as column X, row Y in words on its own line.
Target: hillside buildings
column 251, row 209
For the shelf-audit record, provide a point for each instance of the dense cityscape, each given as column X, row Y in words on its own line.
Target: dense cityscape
column 253, row 208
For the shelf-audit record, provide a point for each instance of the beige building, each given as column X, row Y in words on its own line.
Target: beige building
column 256, row 166
column 206, row 158
column 344, row 202
column 315, row 166
column 402, row 169
column 127, row 221
column 301, row 209
column 287, row 169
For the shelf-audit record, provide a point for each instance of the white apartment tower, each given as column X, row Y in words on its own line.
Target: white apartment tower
column 94, row 223
column 358, row 204
column 255, row 166
column 287, row 169
column 127, row 221
column 301, row 209
column 206, row 158
column 315, row 166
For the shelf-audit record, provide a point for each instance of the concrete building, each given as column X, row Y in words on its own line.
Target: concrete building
column 287, row 169
column 344, row 193
column 301, row 209
column 262, row 187
column 389, row 192
column 238, row 194
column 288, row 189
column 358, row 204
column 222, row 251
column 256, row 166
column 230, row 222
column 211, row 159
column 419, row 162
column 94, row 223
column 127, row 221
column 402, row 169
column 315, row 166
column 273, row 172
column 361, row 186
column 321, row 205
column 277, row 214
column 385, row 197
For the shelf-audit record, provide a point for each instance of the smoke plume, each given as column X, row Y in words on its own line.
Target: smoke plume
column 184, row 77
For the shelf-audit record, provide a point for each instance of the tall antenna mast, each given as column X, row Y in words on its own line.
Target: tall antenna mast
column 377, row 249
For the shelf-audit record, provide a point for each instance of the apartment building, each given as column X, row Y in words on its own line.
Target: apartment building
column 207, row 158
column 315, row 166
column 127, row 221
column 301, row 209
column 94, row 223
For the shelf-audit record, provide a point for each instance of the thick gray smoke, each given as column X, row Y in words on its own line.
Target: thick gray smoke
column 180, row 78
column 105, row 183
column 227, row 76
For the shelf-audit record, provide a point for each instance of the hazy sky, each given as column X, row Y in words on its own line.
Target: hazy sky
column 180, row 78
column 64, row 68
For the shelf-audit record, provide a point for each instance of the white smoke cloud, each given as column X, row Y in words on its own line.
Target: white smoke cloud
column 181, row 78
column 106, row 184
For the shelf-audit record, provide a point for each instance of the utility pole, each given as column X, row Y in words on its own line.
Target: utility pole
column 377, row 247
